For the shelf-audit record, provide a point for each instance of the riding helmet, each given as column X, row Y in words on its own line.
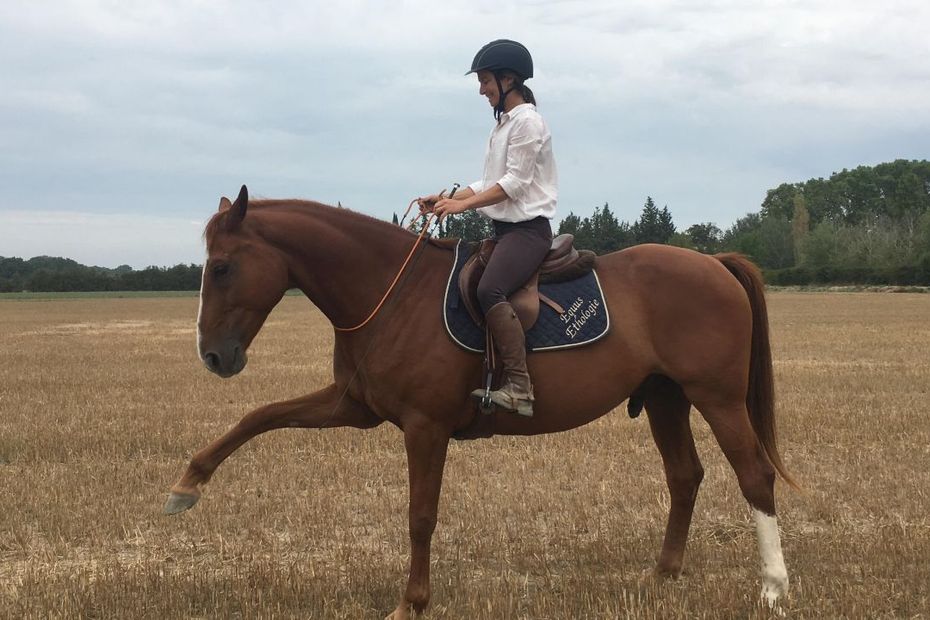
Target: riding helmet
column 504, row 54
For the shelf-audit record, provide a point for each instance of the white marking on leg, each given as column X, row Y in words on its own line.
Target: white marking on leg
column 774, row 572
column 203, row 276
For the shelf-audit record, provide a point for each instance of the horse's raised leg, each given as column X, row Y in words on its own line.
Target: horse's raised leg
column 733, row 431
column 326, row 408
column 668, row 411
column 426, row 445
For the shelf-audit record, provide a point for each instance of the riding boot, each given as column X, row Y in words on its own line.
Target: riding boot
column 516, row 391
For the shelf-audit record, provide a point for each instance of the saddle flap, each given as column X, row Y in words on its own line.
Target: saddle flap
column 469, row 277
column 525, row 300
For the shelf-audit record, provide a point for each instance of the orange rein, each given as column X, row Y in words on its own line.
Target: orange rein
column 416, row 244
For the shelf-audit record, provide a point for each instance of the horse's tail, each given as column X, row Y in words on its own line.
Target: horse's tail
column 760, row 399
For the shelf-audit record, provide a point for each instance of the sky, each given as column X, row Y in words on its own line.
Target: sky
column 122, row 123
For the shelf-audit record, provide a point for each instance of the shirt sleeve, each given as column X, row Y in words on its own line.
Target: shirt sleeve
column 477, row 186
column 522, row 150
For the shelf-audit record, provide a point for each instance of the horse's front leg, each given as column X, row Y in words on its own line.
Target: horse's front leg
column 325, row 408
column 426, row 444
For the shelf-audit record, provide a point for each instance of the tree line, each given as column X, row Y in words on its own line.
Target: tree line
column 870, row 225
column 53, row 274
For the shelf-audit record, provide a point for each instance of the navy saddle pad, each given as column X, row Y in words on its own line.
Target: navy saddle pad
column 585, row 319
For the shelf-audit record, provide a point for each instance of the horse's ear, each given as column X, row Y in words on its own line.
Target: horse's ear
column 224, row 204
column 238, row 209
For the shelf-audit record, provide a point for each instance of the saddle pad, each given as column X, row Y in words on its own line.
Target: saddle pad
column 585, row 320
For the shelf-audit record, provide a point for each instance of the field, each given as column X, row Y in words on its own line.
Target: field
column 103, row 401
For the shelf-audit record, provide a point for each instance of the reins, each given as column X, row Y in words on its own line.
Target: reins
column 417, row 244
column 424, row 232
column 403, row 267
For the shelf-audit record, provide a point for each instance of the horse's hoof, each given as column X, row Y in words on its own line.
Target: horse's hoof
column 179, row 502
column 401, row 613
column 655, row 576
column 773, row 596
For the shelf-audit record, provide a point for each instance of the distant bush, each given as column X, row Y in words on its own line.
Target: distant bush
column 902, row 275
column 46, row 274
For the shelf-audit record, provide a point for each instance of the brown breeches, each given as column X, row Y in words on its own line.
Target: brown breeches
column 520, row 249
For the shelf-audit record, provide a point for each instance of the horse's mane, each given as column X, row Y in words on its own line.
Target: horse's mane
column 350, row 218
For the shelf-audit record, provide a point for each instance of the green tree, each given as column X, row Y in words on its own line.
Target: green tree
column 602, row 232
column 607, row 234
column 666, row 225
column 653, row 225
column 705, row 238
column 820, row 245
column 469, row 226
column 743, row 235
column 682, row 240
column 776, row 245
column 922, row 234
column 895, row 189
column 767, row 240
column 800, row 227
column 570, row 224
column 779, row 202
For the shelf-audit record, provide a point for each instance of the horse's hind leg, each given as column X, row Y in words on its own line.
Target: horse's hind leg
column 733, row 430
column 668, row 410
column 328, row 407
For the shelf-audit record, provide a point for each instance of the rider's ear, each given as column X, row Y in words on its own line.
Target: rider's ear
column 237, row 209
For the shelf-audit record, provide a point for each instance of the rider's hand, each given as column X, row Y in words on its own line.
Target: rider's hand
column 448, row 206
column 427, row 203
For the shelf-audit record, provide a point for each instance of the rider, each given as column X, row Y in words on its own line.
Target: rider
column 518, row 192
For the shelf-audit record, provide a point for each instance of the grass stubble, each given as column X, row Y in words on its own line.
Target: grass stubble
column 103, row 401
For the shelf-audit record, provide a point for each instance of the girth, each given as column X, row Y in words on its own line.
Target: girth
column 563, row 262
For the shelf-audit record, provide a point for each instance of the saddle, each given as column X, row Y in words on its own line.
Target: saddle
column 562, row 263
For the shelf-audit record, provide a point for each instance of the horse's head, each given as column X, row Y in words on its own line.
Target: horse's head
column 244, row 277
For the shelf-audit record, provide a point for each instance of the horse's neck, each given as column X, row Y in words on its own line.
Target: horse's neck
column 342, row 262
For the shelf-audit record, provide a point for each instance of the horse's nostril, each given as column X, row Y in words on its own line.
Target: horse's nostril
column 212, row 360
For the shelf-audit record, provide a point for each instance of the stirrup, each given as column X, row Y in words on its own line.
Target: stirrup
column 524, row 407
column 483, row 395
column 487, row 405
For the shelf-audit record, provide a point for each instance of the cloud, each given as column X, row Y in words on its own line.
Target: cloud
column 107, row 240
column 158, row 108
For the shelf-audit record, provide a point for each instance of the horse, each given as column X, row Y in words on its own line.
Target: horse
column 687, row 329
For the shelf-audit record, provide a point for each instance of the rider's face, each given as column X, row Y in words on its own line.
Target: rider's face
column 488, row 86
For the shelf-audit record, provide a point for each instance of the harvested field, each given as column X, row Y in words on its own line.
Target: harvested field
column 103, row 401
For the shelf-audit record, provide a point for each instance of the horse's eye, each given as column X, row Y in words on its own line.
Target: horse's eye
column 220, row 270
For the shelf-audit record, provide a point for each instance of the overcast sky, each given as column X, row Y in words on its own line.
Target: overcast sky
column 122, row 123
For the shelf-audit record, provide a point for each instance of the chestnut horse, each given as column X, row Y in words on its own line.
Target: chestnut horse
column 686, row 329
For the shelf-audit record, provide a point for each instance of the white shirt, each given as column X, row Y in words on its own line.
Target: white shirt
column 519, row 159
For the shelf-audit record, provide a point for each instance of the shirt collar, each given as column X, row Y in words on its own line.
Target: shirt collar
column 517, row 110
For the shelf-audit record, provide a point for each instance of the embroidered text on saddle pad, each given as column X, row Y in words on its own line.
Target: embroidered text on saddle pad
column 585, row 319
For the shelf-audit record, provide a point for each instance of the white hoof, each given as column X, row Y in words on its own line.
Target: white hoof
column 179, row 502
column 774, row 590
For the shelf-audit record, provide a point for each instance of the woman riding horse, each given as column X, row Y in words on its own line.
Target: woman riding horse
column 687, row 329
column 518, row 192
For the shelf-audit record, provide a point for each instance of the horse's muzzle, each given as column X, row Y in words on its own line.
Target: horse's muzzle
column 226, row 360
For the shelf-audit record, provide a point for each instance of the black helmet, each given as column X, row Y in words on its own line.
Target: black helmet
column 504, row 54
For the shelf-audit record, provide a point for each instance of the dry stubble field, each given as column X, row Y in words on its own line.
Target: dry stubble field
column 102, row 402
